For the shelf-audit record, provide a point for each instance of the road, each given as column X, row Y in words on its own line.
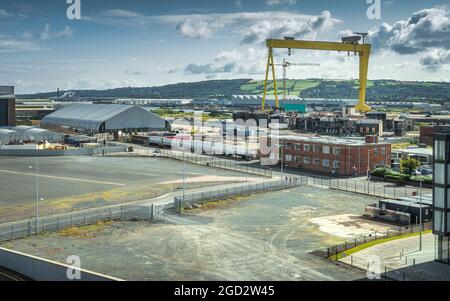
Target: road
column 8, row 275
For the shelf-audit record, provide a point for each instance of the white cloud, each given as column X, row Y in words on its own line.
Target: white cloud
column 209, row 68
column 425, row 29
column 5, row 14
column 435, row 60
column 9, row 44
column 252, row 26
column 197, row 28
column 299, row 27
column 280, row 2
column 47, row 34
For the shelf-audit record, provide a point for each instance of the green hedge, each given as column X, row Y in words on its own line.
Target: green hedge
column 399, row 177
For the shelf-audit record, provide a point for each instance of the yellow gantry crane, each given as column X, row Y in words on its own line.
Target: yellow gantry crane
column 349, row 44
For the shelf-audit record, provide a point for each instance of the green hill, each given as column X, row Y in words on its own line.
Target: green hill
column 377, row 90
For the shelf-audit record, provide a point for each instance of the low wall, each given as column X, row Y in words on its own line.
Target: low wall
column 40, row 269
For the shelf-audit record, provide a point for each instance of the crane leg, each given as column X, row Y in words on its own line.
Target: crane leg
column 274, row 81
column 263, row 104
column 363, row 70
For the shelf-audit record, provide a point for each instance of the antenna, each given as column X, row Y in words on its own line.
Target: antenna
column 363, row 35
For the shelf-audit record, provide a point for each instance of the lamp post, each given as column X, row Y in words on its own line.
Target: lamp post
column 184, row 175
column 37, row 194
column 420, row 216
column 282, row 160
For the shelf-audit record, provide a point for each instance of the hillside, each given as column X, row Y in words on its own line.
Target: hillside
column 377, row 90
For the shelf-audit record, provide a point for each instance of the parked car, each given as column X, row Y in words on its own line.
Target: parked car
column 425, row 170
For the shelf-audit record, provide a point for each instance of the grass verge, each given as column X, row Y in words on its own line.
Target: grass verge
column 373, row 243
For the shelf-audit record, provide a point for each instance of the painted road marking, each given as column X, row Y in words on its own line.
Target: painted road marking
column 61, row 178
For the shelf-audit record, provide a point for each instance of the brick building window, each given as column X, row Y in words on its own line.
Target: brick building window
column 288, row 158
column 375, row 151
column 383, row 151
column 336, row 164
column 306, row 160
column 298, row 159
column 316, row 148
column 326, row 163
column 288, row 145
column 336, row 151
column 326, row 149
column 306, row 148
column 316, row 161
column 297, row 146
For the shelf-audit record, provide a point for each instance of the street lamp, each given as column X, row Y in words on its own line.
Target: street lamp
column 420, row 216
column 37, row 193
column 282, row 161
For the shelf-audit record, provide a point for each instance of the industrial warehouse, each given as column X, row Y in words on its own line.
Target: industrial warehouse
column 103, row 118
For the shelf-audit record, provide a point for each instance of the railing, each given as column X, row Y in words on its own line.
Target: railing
column 337, row 251
column 402, row 267
column 29, row 227
column 204, row 160
column 223, row 194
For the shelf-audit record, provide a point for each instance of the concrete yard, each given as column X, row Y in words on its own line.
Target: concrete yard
column 263, row 237
column 79, row 182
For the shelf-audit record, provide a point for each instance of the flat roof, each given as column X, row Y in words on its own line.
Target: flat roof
column 415, row 151
column 328, row 140
column 404, row 203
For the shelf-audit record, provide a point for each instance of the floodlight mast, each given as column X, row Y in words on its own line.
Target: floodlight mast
column 351, row 45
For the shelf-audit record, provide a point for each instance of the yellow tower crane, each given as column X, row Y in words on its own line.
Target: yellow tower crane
column 285, row 66
column 349, row 44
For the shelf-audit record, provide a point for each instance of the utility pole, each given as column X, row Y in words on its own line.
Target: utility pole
column 282, row 160
column 420, row 216
column 37, row 194
column 184, row 176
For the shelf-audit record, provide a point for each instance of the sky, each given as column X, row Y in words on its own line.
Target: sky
column 137, row 43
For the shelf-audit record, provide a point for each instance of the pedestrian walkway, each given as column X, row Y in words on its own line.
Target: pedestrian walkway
column 402, row 259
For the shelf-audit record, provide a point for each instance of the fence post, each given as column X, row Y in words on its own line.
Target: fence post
column 151, row 212
column 12, row 232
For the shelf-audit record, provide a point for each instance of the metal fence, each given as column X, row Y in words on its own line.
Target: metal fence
column 222, row 194
column 402, row 267
column 388, row 191
column 29, row 227
column 205, row 161
column 334, row 251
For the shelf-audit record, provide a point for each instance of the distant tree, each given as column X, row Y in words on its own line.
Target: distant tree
column 407, row 166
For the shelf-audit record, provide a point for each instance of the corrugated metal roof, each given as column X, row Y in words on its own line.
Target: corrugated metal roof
column 4, row 132
column 86, row 116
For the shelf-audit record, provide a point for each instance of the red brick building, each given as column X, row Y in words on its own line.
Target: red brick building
column 330, row 155
column 426, row 134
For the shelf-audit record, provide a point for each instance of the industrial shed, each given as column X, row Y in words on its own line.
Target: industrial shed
column 101, row 118
column 20, row 134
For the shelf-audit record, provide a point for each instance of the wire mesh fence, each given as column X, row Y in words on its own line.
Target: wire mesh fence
column 338, row 251
column 382, row 190
column 205, row 161
column 222, row 194
column 58, row 222
column 406, row 266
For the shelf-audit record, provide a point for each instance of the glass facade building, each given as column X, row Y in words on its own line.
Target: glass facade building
column 441, row 193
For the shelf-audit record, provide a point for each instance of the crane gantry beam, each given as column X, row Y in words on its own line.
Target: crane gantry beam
column 362, row 49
